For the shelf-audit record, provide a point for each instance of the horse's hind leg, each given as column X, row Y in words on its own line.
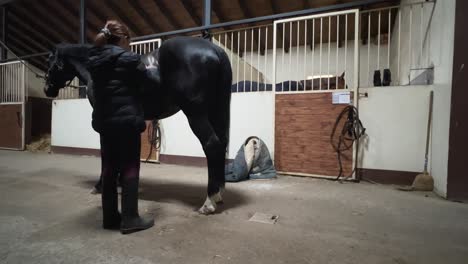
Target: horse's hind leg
column 215, row 154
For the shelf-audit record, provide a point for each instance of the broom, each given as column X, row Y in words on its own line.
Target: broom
column 424, row 181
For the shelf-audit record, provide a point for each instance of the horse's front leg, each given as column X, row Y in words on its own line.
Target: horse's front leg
column 215, row 154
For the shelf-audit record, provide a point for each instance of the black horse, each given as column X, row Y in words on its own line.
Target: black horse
column 189, row 74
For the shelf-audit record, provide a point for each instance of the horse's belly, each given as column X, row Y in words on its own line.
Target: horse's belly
column 156, row 107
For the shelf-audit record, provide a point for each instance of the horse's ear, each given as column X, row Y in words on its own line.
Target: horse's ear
column 342, row 75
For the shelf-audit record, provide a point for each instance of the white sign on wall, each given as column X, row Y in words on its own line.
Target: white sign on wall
column 341, row 98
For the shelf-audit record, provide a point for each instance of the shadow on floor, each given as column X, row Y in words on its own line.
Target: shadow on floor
column 188, row 194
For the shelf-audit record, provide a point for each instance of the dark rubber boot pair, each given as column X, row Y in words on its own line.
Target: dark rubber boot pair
column 111, row 217
column 131, row 220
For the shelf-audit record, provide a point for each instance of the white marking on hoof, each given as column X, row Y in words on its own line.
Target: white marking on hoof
column 208, row 207
column 217, row 198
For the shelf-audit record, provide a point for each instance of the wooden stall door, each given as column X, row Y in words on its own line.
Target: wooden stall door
column 303, row 124
column 11, row 126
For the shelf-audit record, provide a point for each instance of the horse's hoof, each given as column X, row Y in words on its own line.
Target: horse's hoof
column 209, row 207
column 217, row 198
column 95, row 191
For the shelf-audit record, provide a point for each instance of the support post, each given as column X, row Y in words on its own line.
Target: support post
column 82, row 90
column 206, row 18
column 3, row 53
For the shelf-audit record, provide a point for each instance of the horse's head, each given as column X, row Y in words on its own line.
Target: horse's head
column 341, row 82
column 59, row 72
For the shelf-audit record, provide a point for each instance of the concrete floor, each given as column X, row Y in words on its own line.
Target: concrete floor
column 48, row 216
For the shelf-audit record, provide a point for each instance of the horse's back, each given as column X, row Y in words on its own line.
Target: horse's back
column 194, row 64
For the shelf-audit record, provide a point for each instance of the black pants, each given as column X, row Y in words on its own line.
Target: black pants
column 98, row 185
column 120, row 157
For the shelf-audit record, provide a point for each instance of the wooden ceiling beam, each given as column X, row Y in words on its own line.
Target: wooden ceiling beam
column 276, row 10
column 41, row 39
column 97, row 14
column 122, row 16
column 168, row 14
column 145, row 16
column 73, row 8
column 70, row 13
column 217, row 10
column 36, row 25
column 26, row 38
column 190, row 9
column 246, row 12
column 20, row 49
column 40, row 13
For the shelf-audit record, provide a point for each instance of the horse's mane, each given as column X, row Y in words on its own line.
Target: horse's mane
column 78, row 52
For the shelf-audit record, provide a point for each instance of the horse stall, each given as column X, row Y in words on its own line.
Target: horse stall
column 12, row 105
column 338, row 91
column 293, row 77
column 305, row 70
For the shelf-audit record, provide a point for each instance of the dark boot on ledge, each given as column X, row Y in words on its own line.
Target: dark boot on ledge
column 377, row 79
column 131, row 220
column 387, row 77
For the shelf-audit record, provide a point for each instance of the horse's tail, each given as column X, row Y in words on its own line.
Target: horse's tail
column 224, row 96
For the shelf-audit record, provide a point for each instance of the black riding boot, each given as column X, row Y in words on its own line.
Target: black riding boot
column 131, row 220
column 110, row 214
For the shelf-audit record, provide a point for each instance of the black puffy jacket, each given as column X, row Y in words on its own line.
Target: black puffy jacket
column 117, row 78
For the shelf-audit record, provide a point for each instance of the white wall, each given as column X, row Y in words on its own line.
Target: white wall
column 251, row 115
column 35, row 85
column 305, row 63
column 441, row 55
column 241, row 68
column 409, row 100
column 71, row 124
column 395, row 119
column 177, row 137
column 417, row 54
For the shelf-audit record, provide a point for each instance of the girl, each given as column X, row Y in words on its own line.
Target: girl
column 118, row 118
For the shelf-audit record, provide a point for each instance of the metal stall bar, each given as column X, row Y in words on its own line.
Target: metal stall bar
column 305, row 54
column 337, row 50
column 321, row 42
column 238, row 60
column 322, row 51
column 329, row 51
column 368, row 49
column 251, row 58
column 266, row 56
column 389, row 36
column 346, row 50
column 258, row 59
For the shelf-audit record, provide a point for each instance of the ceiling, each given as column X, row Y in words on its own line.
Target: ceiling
column 35, row 26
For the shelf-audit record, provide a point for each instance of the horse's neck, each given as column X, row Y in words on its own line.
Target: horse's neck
column 81, row 71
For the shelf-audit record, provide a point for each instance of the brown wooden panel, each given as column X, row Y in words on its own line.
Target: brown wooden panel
column 457, row 178
column 303, row 124
column 387, row 176
column 11, row 126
